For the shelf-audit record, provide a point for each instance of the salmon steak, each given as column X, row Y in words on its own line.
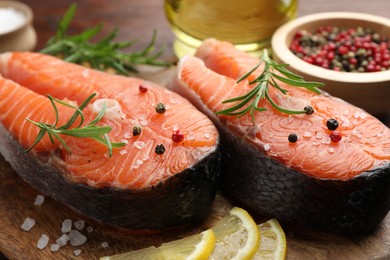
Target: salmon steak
column 164, row 173
column 296, row 167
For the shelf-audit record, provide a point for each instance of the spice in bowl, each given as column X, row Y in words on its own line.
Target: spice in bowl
column 343, row 49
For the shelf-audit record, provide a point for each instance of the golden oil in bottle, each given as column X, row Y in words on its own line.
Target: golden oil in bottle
column 249, row 24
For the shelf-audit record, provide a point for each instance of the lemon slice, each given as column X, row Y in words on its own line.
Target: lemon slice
column 237, row 235
column 273, row 241
column 199, row 246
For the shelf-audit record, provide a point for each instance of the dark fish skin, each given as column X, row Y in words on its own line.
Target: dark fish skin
column 271, row 189
column 182, row 199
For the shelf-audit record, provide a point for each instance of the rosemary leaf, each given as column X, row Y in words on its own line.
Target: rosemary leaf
column 268, row 78
column 102, row 54
column 91, row 130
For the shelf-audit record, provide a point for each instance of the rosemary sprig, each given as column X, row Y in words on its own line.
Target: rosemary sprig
column 91, row 130
column 261, row 89
column 102, row 54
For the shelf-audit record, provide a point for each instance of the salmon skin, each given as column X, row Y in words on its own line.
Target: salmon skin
column 140, row 187
column 316, row 182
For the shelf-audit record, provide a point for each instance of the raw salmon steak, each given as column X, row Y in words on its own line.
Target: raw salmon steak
column 317, row 180
column 165, row 175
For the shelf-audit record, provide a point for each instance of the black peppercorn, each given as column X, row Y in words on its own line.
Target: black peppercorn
column 308, row 110
column 292, row 138
column 332, row 124
column 160, row 149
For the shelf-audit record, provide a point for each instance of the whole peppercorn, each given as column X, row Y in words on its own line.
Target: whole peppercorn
column 142, row 89
column 343, row 49
column 160, row 149
column 308, row 110
column 137, row 130
column 177, row 136
column 160, row 108
column 292, row 138
column 335, row 136
column 332, row 124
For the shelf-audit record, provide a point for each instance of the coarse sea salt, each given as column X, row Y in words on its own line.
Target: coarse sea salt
column 66, row 226
column 10, row 19
column 54, row 247
column 77, row 252
column 76, row 238
column 28, row 224
column 104, row 244
column 267, row 147
column 62, row 240
column 139, row 144
column 39, row 200
column 43, row 241
column 89, row 229
column 79, row 224
column 139, row 162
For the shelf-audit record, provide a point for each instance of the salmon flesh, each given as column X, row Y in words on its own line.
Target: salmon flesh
column 340, row 186
column 155, row 181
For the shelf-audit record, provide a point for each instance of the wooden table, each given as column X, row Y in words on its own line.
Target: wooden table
column 137, row 19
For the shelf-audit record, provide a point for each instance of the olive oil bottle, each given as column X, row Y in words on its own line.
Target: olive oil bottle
column 249, row 24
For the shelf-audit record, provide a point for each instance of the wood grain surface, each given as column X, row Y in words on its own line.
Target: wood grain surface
column 137, row 19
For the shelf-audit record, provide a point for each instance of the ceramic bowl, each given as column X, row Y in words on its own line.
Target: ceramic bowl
column 368, row 90
column 21, row 37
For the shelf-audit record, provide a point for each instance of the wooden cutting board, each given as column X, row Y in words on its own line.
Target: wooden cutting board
column 17, row 203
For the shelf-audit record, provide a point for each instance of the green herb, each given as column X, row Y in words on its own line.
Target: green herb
column 98, row 133
column 103, row 54
column 261, row 88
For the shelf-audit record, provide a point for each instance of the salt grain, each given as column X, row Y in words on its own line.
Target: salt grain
column 307, row 134
column 127, row 135
column 139, row 144
column 175, row 127
column 39, row 200
column 207, row 136
column 66, row 226
column 330, row 150
column 54, row 247
column 316, row 143
column 43, row 241
column 28, row 224
column 62, row 240
column 139, row 162
column 144, row 122
column 122, row 152
column 89, row 229
column 79, row 224
column 104, row 244
column 85, row 73
column 267, row 147
column 77, row 252
column 76, row 238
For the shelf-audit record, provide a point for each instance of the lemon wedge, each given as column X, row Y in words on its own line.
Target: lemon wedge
column 237, row 236
column 273, row 241
column 198, row 246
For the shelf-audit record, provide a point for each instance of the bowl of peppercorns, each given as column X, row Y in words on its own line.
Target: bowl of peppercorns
column 349, row 52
